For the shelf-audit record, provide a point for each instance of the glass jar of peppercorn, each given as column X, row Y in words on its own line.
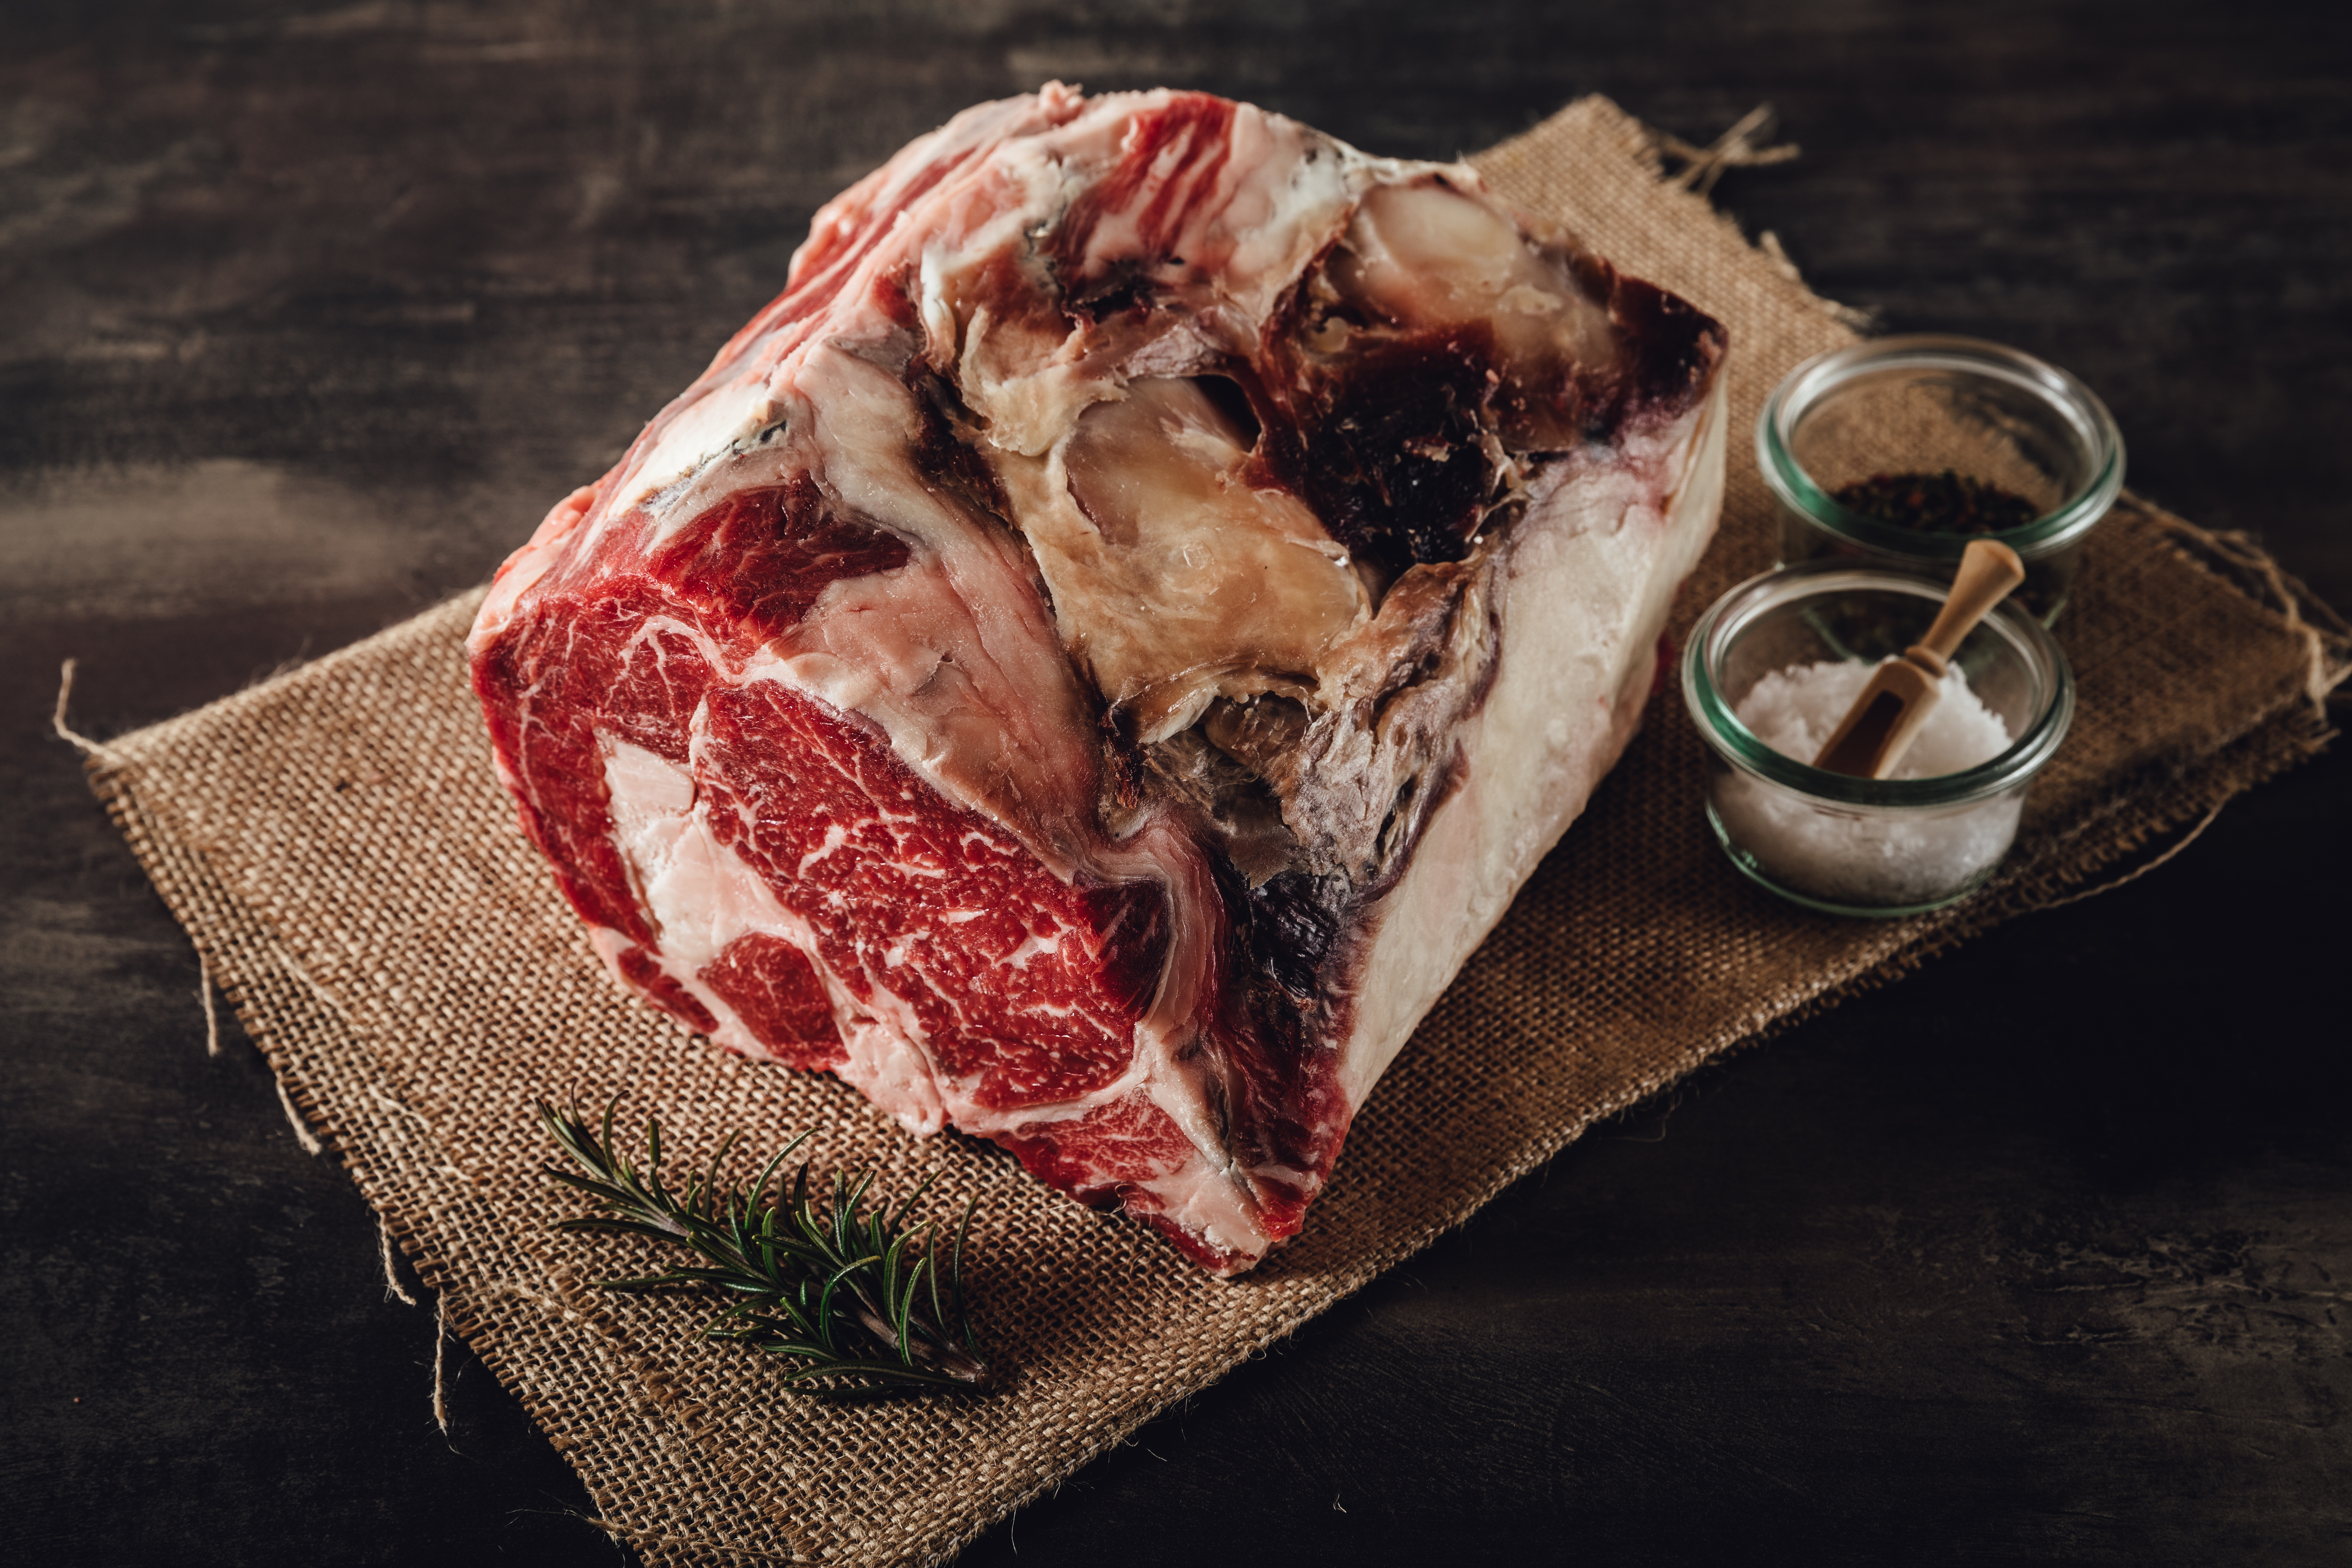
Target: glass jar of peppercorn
column 1900, row 450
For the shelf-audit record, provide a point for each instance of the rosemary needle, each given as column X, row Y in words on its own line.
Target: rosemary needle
column 857, row 1299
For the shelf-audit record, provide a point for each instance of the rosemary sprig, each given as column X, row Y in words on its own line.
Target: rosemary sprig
column 853, row 1293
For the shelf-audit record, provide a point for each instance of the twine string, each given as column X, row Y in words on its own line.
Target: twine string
column 440, row 1349
column 2326, row 635
column 2144, row 868
column 1737, row 148
column 204, row 995
column 302, row 1134
column 392, row 1285
column 66, row 732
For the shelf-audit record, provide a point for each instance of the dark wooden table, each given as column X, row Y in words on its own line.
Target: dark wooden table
column 2042, row 1255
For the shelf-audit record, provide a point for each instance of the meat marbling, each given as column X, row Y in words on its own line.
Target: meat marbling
column 1091, row 660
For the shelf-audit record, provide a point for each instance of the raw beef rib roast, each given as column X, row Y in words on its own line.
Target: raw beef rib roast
column 1092, row 658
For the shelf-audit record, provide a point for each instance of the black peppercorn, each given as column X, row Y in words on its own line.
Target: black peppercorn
column 1948, row 503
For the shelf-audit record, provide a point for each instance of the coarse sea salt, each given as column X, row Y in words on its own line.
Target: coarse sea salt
column 1868, row 857
column 1796, row 710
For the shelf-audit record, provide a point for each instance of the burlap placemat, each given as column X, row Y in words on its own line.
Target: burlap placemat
column 353, row 877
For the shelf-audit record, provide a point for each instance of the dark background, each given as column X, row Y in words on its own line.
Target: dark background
column 2042, row 1255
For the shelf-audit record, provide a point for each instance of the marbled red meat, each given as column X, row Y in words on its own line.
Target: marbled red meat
column 1092, row 658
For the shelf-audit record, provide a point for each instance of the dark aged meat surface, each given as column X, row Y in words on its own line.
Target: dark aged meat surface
column 1091, row 660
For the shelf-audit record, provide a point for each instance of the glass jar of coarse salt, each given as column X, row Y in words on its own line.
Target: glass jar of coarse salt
column 1898, row 451
column 1768, row 672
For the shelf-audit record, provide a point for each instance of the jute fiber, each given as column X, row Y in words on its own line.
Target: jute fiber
column 353, row 877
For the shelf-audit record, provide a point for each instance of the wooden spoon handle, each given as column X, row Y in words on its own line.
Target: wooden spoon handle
column 1988, row 570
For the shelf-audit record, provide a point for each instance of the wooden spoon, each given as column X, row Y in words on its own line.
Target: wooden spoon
column 1885, row 718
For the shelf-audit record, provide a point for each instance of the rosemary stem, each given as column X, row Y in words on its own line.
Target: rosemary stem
column 822, row 1279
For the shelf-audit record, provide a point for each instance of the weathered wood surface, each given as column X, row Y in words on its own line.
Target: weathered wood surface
column 307, row 312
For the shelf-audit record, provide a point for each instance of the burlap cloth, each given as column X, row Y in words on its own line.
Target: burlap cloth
column 349, row 867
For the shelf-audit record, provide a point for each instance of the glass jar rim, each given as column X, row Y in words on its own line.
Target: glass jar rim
column 2045, row 535
column 1721, row 728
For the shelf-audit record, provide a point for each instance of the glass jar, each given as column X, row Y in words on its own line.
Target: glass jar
column 1855, row 845
column 1923, row 405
